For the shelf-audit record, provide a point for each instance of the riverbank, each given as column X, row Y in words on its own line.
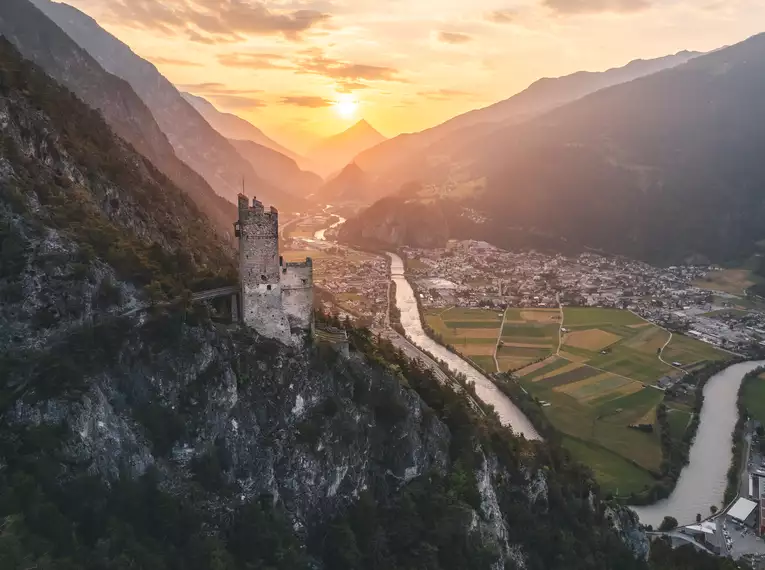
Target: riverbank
column 509, row 414
column 702, row 483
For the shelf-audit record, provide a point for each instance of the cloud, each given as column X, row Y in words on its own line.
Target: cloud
column 214, row 21
column 502, row 16
column 215, row 89
column 454, row 37
column 158, row 60
column 348, row 75
column 594, row 6
column 254, row 60
column 238, row 102
column 310, row 101
column 445, row 94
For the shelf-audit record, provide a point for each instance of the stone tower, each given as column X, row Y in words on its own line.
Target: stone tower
column 276, row 298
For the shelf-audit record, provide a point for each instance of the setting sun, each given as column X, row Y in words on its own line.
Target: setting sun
column 346, row 106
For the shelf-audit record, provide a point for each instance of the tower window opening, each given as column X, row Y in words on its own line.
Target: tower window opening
column 305, row 281
column 263, row 277
column 268, row 287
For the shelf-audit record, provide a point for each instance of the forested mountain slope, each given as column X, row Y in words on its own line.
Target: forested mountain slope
column 665, row 168
column 194, row 140
column 157, row 439
column 41, row 41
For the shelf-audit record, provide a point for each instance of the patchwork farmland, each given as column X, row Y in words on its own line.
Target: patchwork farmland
column 604, row 378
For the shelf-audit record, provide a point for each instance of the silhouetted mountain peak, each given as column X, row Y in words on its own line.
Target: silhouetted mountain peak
column 333, row 153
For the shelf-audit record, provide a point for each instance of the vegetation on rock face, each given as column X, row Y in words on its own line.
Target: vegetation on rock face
column 63, row 168
column 44, row 43
column 394, row 222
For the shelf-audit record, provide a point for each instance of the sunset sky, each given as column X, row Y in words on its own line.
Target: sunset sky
column 299, row 68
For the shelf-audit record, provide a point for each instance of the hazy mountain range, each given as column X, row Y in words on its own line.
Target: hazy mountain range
column 234, row 127
column 41, row 41
column 194, row 140
column 663, row 168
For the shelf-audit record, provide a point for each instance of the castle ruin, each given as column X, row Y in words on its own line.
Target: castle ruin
column 276, row 297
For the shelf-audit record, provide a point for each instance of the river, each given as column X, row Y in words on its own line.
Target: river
column 702, row 482
column 321, row 234
column 486, row 390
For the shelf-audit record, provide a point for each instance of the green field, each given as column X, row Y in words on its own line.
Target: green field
column 602, row 382
column 614, row 473
column 472, row 332
column 754, row 398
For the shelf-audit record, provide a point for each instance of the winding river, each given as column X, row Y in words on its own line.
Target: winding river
column 702, row 482
column 485, row 389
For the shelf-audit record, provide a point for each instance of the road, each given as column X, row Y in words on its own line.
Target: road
column 666, row 344
column 499, row 339
column 414, row 353
column 560, row 329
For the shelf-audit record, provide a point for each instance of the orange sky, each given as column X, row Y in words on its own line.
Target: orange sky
column 410, row 64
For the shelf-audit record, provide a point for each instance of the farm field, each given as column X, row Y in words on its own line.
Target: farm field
column 754, row 397
column 472, row 332
column 603, row 381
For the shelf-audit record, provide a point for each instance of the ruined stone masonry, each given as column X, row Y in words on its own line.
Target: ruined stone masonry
column 276, row 297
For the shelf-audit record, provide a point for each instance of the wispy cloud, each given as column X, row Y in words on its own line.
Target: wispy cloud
column 159, row 60
column 454, row 37
column 254, row 60
column 502, row 16
column 238, row 102
column 216, row 89
column 348, row 75
column 214, row 21
column 309, row 101
column 592, row 6
column 445, row 94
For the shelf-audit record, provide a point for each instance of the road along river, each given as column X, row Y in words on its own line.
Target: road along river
column 485, row 389
column 702, row 482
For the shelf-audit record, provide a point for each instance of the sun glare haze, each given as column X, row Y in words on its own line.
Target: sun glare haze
column 346, row 106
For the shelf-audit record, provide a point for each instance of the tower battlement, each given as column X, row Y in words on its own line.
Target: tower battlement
column 277, row 297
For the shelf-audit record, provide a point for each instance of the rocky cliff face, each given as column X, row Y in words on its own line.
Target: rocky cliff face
column 394, row 221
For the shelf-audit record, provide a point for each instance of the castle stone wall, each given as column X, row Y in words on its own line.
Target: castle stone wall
column 277, row 297
column 297, row 293
column 258, row 245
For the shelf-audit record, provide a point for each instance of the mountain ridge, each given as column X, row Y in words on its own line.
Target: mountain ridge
column 333, row 153
column 43, row 42
column 234, row 127
column 396, row 161
column 195, row 141
column 646, row 169
column 277, row 168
